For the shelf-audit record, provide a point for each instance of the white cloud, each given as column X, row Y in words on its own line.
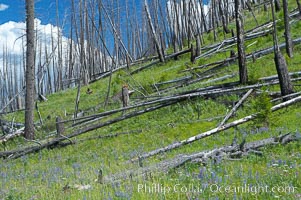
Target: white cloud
column 3, row 7
column 12, row 33
column 13, row 46
column 9, row 34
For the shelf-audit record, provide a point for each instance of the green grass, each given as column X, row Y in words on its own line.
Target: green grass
column 43, row 175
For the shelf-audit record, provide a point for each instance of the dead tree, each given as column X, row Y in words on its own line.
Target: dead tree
column 287, row 33
column 30, row 71
column 299, row 6
column 251, row 10
column 203, row 17
column 211, row 132
column 158, row 46
column 59, row 126
column 125, row 96
column 281, row 66
column 222, row 13
column 192, row 54
column 277, row 5
column 243, row 74
column 213, row 19
column 198, row 46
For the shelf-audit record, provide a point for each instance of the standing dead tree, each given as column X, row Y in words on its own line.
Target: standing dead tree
column 299, row 6
column 281, row 66
column 243, row 74
column 154, row 35
column 30, row 71
column 287, row 33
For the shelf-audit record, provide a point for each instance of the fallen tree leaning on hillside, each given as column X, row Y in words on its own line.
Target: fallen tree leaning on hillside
column 7, row 137
column 253, row 55
column 223, row 63
column 165, row 101
column 213, row 131
column 226, row 152
column 52, row 143
column 233, row 110
column 208, row 91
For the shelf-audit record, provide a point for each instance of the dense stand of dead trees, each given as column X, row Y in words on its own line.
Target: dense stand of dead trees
column 99, row 43
column 63, row 63
column 96, row 26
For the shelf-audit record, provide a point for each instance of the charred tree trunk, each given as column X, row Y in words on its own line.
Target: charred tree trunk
column 224, row 21
column 30, row 71
column 283, row 75
column 203, row 16
column 198, row 46
column 281, row 66
column 277, row 5
column 287, row 33
column 192, row 54
column 299, row 6
column 243, row 74
column 158, row 46
column 213, row 20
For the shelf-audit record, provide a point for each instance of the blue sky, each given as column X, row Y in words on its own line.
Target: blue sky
column 14, row 10
column 45, row 10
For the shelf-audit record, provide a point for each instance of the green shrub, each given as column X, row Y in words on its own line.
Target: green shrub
column 262, row 106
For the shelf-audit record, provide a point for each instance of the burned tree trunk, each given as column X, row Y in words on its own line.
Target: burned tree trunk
column 299, row 6
column 203, row 17
column 281, row 66
column 30, row 71
column 243, row 74
column 125, row 96
column 222, row 12
column 284, row 78
column 59, row 126
column 158, row 46
column 198, row 46
column 287, row 33
column 277, row 5
column 192, row 54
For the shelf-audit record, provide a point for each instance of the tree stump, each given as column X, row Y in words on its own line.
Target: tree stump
column 59, row 127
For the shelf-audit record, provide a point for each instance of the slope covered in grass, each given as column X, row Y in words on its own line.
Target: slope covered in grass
column 70, row 172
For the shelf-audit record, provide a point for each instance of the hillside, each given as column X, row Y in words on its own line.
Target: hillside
column 173, row 101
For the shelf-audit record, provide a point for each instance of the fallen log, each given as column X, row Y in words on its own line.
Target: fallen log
column 258, row 31
column 11, row 124
column 233, row 110
column 12, row 100
column 13, row 111
column 224, row 152
column 211, row 90
column 64, row 144
column 181, row 79
column 229, row 61
column 254, row 55
column 283, row 97
column 208, row 91
column 157, row 61
column 51, row 143
column 215, row 47
column 213, row 131
column 291, row 74
column 7, row 137
column 163, row 103
column 145, row 67
column 186, row 83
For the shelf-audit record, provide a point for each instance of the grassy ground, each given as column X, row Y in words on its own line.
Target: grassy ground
column 276, row 174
